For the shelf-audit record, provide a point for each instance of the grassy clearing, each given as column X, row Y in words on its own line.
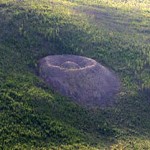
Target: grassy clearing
column 127, row 5
column 33, row 116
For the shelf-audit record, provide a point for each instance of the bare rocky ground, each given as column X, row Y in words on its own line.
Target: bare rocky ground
column 80, row 78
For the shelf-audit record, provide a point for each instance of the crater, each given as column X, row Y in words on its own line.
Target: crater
column 72, row 62
column 70, row 65
column 82, row 79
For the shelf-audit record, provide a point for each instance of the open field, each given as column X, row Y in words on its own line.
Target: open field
column 115, row 33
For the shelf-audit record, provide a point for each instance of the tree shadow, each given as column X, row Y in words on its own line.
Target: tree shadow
column 132, row 113
column 31, row 35
column 34, row 34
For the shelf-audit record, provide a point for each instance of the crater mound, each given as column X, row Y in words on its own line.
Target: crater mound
column 80, row 78
column 70, row 65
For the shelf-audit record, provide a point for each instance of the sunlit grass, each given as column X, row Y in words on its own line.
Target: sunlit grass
column 123, row 4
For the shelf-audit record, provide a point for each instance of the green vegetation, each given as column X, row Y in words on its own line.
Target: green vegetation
column 115, row 33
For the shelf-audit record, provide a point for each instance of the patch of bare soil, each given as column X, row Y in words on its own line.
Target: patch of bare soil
column 80, row 78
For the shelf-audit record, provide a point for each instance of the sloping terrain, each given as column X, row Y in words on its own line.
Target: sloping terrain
column 115, row 33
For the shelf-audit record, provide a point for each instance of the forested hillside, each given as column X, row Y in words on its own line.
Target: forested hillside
column 115, row 33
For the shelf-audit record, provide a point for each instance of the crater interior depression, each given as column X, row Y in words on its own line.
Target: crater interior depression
column 82, row 79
